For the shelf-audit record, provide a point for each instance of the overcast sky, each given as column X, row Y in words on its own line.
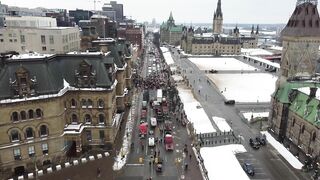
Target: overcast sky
column 184, row 11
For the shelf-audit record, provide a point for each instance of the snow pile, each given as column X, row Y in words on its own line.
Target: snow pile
column 195, row 112
column 221, row 64
column 121, row 157
column 256, row 52
column 221, row 162
column 283, row 151
column 248, row 115
column 167, row 55
column 222, row 124
column 177, row 78
column 278, row 48
column 253, row 87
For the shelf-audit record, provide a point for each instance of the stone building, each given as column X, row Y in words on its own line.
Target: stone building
column 170, row 33
column 216, row 43
column 59, row 106
column 295, row 116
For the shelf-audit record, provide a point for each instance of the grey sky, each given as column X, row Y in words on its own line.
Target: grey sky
column 184, row 11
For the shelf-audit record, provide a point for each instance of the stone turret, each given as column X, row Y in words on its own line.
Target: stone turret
column 218, row 19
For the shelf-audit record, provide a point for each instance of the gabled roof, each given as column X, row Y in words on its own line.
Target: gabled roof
column 304, row 22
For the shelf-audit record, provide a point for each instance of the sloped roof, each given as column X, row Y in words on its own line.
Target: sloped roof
column 304, row 21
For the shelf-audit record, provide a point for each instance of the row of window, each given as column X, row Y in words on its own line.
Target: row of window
column 31, row 151
column 302, row 129
column 28, row 134
column 87, row 103
column 87, row 119
column 23, row 115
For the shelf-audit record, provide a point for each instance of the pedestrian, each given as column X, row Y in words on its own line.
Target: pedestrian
column 190, row 156
column 98, row 172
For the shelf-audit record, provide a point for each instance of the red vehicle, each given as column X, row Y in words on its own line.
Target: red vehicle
column 168, row 140
column 143, row 129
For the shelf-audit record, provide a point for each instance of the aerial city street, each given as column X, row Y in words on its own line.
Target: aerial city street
column 97, row 94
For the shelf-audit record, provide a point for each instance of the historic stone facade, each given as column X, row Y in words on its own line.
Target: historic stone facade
column 216, row 43
column 295, row 117
column 61, row 105
column 170, row 33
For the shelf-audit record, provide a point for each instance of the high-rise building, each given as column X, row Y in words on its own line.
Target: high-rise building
column 80, row 14
column 113, row 11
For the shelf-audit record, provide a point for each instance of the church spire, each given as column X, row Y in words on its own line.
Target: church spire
column 257, row 32
column 299, row 2
column 218, row 12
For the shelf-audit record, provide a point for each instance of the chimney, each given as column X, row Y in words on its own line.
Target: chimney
column 313, row 92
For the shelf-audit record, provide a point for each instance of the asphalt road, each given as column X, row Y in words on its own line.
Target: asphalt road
column 270, row 164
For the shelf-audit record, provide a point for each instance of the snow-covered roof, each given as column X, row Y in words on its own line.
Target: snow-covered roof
column 276, row 65
column 256, row 52
column 31, row 56
column 306, row 90
column 167, row 55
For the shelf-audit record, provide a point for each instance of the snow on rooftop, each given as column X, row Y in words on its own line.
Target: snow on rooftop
column 31, row 56
column 306, row 90
column 283, row 151
column 248, row 115
column 279, row 48
column 222, row 124
column 195, row 112
column 221, row 162
column 276, row 65
column 167, row 55
column 253, row 87
column 177, row 78
column 256, row 52
column 220, row 64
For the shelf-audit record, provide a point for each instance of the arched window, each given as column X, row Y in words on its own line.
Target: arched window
column 15, row 116
column 293, row 122
column 87, row 119
column 43, row 130
column 101, row 119
column 314, row 136
column 83, row 103
column 74, row 119
column 29, row 133
column 39, row 113
column 100, row 103
column 89, row 103
column 73, row 103
column 30, row 114
column 15, row 136
column 302, row 129
column 23, row 115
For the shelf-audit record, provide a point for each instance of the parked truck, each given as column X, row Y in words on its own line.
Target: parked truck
column 168, row 140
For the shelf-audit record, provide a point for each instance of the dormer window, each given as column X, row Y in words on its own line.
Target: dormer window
column 23, row 85
column 85, row 76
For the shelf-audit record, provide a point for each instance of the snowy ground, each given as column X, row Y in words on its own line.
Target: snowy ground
column 248, row 115
column 283, row 151
column 195, row 112
column 220, row 64
column 222, row 124
column 167, row 55
column 255, row 87
column 221, row 162
column 177, row 78
column 256, row 52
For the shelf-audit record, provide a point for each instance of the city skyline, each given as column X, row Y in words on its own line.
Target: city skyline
column 246, row 11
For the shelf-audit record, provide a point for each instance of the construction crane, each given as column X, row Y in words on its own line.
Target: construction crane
column 94, row 4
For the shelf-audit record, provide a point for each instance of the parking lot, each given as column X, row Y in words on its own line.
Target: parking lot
column 247, row 157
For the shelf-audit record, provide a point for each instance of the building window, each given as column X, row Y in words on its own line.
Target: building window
column 83, row 103
column 293, row 122
column 74, row 119
column 15, row 116
column 100, row 103
column 15, row 136
column 29, row 133
column 101, row 119
column 73, row 103
column 101, row 134
column 30, row 114
column 87, row 119
column 23, row 48
column 43, row 39
column 90, row 103
column 17, row 154
column 89, row 135
column 22, row 39
column 1, row 40
column 314, row 136
column 51, row 39
column 44, row 48
column 39, row 113
column 15, row 40
column 43, row 130
column 44, row 148
column 31, row 151
column 302, row 129
column 23, row 115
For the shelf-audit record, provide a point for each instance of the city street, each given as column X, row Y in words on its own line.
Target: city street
column 268, row 161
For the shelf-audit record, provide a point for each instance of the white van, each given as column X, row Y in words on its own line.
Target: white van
column 151, row 141
column 153, row 122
